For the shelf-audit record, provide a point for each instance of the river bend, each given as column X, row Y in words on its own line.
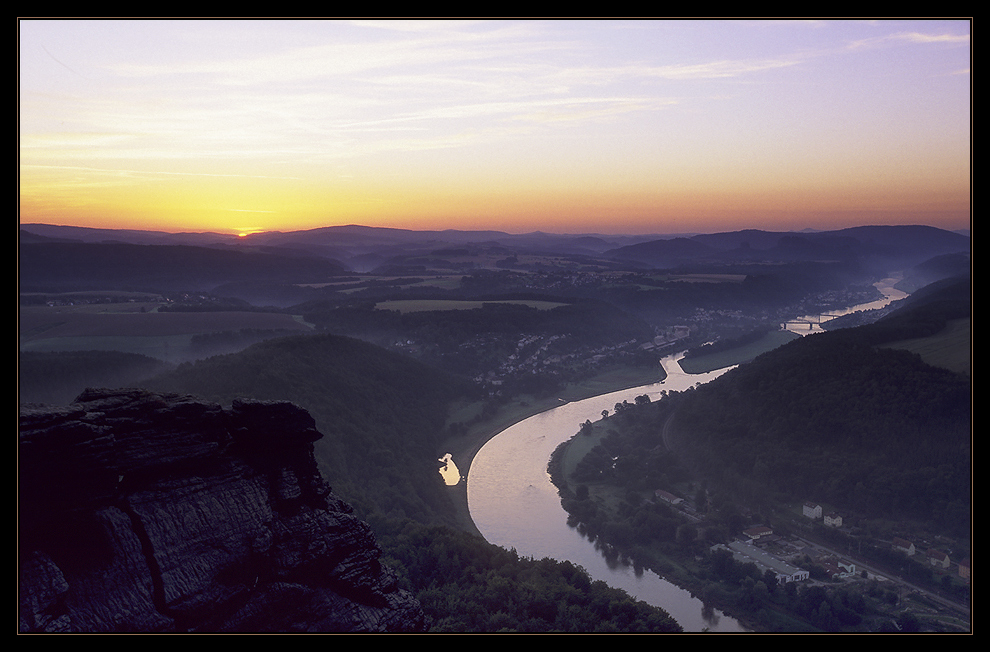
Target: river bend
column 515, row 505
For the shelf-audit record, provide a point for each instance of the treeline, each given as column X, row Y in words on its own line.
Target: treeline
column 874, row 431
column 589, row 321
column 470, row 342
column 655, row 535
column 632, row 462
column 233, row 340
column 468, row 585
column 73, row 266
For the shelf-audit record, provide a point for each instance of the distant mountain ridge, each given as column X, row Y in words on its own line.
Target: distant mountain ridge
column 68, row 266
column 358, row 235
column 46, row 248
column 913, row 243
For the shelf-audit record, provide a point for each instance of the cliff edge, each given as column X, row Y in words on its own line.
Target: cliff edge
column 145, row 512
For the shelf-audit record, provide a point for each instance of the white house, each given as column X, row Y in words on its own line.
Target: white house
column 903, row 546
column 833, row 519
column 811, row 510
column 938, row 558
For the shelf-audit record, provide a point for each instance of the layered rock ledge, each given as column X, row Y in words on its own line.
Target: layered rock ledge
column 145, row 512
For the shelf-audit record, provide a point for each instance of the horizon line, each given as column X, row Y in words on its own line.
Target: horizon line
column 247, row 232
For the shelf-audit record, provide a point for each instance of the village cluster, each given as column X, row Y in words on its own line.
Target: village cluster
column 760, row 546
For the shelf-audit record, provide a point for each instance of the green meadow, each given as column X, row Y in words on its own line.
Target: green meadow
column 950, row 348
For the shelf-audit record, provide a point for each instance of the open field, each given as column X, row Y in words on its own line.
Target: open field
column 444, row 282
column 950, row 349
column 421, row 305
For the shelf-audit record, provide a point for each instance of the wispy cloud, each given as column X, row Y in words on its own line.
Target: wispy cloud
column 943, row 38
column 718, row 69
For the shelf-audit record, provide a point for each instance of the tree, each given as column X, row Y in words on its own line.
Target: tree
column 908, row 622
column 824, row 619
column 770, row 579
column 687, row 534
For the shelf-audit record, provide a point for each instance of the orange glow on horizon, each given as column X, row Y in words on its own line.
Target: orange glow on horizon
column 451, row 125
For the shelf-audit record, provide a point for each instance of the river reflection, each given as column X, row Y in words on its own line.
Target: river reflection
column 810, row 324
column 449, row 472
column 514, row 504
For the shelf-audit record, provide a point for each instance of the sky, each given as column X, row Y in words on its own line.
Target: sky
column 566, row 126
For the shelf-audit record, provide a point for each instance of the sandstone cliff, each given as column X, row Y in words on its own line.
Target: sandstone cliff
column 146, row 512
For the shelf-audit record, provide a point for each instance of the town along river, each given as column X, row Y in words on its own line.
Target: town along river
column 810, row 324
column 514, row 504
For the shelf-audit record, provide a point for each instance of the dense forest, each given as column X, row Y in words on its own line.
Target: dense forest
column 835, row 417
column 898, row 445
column 468, row 585
column 381, row 414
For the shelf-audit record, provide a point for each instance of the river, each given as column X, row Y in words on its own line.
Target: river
column 514, row 504
column 810, row 324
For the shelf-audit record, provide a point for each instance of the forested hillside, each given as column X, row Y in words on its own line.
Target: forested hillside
column 58, row 377
column 835, row 417
column 381, row 414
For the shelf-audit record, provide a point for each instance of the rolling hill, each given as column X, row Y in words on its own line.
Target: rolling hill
column 74, row 266
column 381, row 413
column 847, row 418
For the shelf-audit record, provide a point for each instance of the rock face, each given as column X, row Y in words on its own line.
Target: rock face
column 146, row 512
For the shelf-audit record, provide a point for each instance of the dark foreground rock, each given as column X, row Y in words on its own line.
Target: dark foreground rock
column 143, row 512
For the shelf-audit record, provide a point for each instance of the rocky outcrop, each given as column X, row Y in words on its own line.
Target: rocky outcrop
column 146, row 512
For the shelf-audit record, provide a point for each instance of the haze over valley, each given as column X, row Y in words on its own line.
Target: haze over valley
column 323, row 326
